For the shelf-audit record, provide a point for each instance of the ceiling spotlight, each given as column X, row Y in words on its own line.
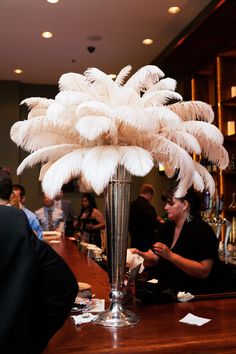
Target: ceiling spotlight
column 112, row 76
column 174, row 10
column 18, row 71
column 47, row 34
column 53, row 1
column 147, row 41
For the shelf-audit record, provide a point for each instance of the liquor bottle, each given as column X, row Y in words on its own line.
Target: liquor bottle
column 232, row 163
column 207, row 200
column 221, row 203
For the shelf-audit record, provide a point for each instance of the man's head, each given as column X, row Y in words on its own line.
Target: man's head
column 19, row 192
column 48, row 202
column 5, row 184
column 147, row 191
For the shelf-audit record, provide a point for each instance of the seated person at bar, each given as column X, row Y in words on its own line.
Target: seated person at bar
column 185, row 253
column 19, row 192
column 37, row 287
column 49, row 216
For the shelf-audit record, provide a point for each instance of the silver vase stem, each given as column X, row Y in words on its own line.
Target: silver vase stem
column 117, row 197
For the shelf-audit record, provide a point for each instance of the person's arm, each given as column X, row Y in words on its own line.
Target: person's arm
column 194, row 268
column 99, row 218
column 36, row 227
column 149, row 257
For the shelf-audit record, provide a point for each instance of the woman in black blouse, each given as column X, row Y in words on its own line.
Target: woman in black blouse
column 185, row 254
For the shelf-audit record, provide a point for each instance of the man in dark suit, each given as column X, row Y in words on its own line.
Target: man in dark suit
column 143, row 219
column 37, row 287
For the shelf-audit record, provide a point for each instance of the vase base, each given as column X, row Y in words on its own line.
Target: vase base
column 120, row 318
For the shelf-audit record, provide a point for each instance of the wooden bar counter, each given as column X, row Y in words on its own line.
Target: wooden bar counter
column 159, row 329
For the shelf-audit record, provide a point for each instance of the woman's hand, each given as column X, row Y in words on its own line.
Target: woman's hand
column 136, row 251
column 149, row 257
column 162, row 250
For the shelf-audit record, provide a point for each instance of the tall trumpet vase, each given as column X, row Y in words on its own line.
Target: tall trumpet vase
column 117, row 196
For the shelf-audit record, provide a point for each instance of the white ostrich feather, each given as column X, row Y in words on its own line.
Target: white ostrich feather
column 165, row 150
column 59, row 112
column 184, row 139
column 39, row 102
column 145, row 78
column 215, row 153
column 83, row 184
column 169, row 170
column 38, row 133
column 102, row 83
column 43, row 155
column 193, row 110
column 73, row 82
column 124, row 96
column 91, row 127
column 44, row 169
column 37, row 112
column 134, row 116
column 72, row 98
column 206, row 176
column 62, row 171
column 135, row 160
column 99, row 165
column 198, row 183
column 209, row 132
column 164, row 117
column 123, row 74
column 158, row 97
column 164, row 84
column 95, row 108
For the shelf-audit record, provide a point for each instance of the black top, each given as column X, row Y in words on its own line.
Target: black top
column 37, row 287
column 197, row 241
column 143, row 224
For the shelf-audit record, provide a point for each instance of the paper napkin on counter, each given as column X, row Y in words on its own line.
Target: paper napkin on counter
column 194, row 320
column 84, row 318
column 182, row 296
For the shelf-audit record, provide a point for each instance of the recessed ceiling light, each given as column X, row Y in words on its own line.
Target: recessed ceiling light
column 174, row 10
column 53, row 1
column 47, row 34
column 147, row 41
column 18, row 71
column 112, row 76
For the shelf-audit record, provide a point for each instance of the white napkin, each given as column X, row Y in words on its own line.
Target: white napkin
column 133, row 260
column 84, row 318
column 182, row 296
column 194, row 320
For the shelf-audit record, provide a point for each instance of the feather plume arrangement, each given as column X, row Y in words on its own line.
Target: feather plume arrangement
column 95, row 124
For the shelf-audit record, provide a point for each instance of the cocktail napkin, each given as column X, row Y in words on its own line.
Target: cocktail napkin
column 84, row 318
column 194, row 320
column 133, row 260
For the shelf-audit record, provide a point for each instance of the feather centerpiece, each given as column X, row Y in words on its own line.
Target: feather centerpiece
column 95, row 124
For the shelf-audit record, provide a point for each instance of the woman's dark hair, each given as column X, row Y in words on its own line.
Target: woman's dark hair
column 92, row 203
column 5, row 183
column 193, row 197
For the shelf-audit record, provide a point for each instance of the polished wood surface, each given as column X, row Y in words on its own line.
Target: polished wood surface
column 84, row 269
column 159, row 329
